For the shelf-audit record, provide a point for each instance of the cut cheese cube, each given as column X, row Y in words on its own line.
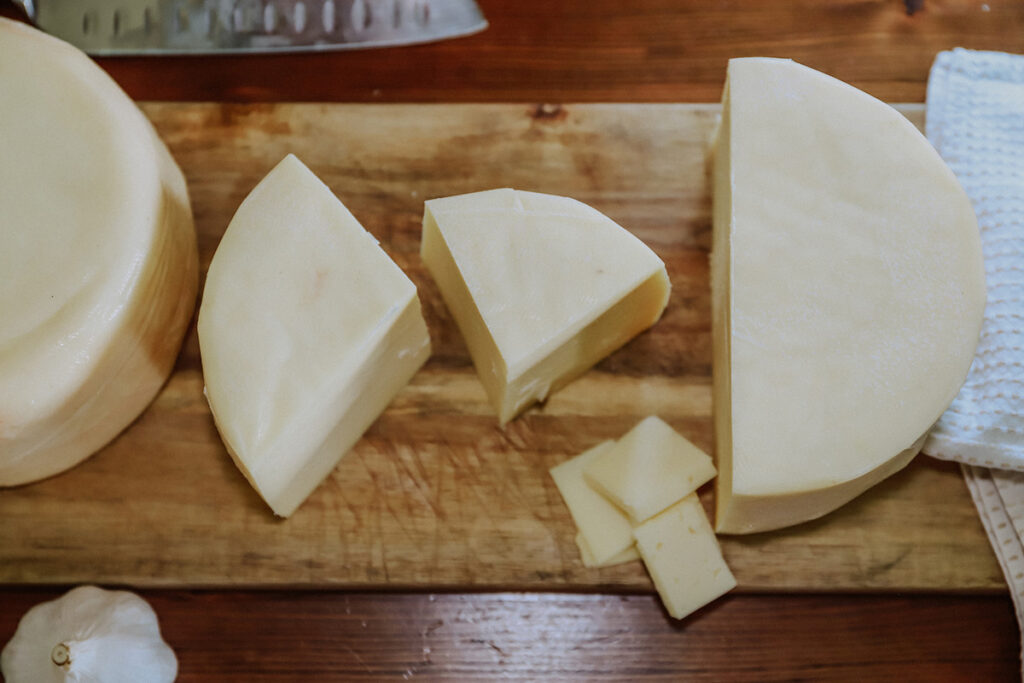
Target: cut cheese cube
column 541, row 287
column 847, row 293
column 307, row 330
column 683, row 558
column 605, row 529
column 587, row 555
column 650, row 468
column 98, row 262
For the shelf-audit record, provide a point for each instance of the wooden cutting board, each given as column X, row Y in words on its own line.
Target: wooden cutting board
column 436, row 495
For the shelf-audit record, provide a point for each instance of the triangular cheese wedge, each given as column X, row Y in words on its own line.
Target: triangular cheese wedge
column 848, row 293
column 542, row 287
column 307, row 331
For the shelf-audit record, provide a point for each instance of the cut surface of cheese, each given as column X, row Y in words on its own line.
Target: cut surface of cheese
column 98, row 262
column 587, row 555
column 541, row 287
column 649, row 469
column 847, row 293
column 683, row 558
column 603, row 527
column 307, row 330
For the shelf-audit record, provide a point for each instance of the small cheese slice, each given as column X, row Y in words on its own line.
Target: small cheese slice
column 541, row 287
column 847, row 293
column 307, row 330
column 587, row 555
column 683, row 558
column 649, row 469
column 98, row 263
column 603, row 527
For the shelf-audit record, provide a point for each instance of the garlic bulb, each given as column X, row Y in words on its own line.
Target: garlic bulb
column 89, row 635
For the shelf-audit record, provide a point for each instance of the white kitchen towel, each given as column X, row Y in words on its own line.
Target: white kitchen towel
column 975, row 118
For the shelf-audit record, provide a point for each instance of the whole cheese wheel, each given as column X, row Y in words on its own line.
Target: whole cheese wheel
column 848, row 293
column 98, row 264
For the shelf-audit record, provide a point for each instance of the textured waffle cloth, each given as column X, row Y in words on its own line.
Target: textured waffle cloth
column 975, row 118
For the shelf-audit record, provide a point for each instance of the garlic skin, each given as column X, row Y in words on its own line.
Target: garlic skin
column 89, row 635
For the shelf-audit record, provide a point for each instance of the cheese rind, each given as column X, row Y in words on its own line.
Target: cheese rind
column 847, row 290
column 683, row 558
column 307, row 330
column 604, row 528
column 651, row 468
column 541, row 287
column 98, row 262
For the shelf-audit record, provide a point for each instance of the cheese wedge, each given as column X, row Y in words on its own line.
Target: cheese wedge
column 98, row 263
column 683, row 558
column 541, row 287
column 307, row 330
column 649, row 469
column 847, row 293
column 604, row 528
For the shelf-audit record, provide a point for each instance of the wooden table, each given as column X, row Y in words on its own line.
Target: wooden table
column 918, row 627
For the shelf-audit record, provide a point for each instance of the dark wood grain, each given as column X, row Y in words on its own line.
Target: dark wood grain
column 605, row 50
column 275, row 637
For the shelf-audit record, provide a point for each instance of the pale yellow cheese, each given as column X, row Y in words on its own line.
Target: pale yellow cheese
column 587, row 555
column 649, row 469
column 683, row 558
column 603, row 527
column 541, row 287
column 307, row 330
column 98, row 263
column 847, row 290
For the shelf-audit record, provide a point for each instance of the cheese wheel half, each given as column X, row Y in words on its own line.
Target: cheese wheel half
column 98, row 264
column 848, row 292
